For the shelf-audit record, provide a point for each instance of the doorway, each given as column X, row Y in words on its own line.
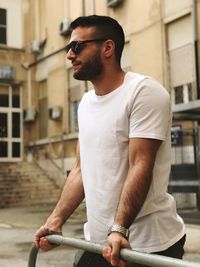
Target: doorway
column 10, row 123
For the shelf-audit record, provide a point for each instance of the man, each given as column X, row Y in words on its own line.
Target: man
column 123, row 154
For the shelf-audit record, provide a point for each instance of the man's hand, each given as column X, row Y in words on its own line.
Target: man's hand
column 41, row 241
column 111, row 253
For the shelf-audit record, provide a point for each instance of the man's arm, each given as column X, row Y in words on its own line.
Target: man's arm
column 71, row 196
column 142, row 153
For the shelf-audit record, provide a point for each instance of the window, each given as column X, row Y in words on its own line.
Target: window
column 183, row 93
column 10, row 123
column 3, row 125
column 15, row 97
column 4, row 96
column 11, row 23
column 15, row 124
column 3, row 149
column 181, row 59
column 74, row 116
column 178, row 94
column 3, row 22
column 76, row 91
column 16, row 150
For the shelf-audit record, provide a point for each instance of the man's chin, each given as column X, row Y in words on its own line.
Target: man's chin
column 78, row 76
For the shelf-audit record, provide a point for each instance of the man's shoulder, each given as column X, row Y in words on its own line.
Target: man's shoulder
column 88, row 94
column 145, row 81
column 134, row 75
column 134, row 79
column 132, row 82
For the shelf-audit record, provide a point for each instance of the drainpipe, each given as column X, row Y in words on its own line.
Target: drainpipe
column 92, row 12
column 29, row 88
column 83, row 7
column 92, row 7
column 27, row 66
column 195, row 36
column 83, row 14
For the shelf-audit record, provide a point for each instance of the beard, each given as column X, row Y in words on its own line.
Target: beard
column 90, row 69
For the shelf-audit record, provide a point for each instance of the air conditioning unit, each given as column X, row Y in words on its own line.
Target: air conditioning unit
column 113, row 3
column 55, row 113
column 36, row 46
column 64, row 28
column 30, row 114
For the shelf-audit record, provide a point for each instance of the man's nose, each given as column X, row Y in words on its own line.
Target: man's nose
column 70, row 54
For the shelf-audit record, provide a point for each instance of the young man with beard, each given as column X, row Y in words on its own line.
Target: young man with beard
column 123, row 154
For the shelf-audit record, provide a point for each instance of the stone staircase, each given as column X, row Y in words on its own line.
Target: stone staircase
column 24, row 183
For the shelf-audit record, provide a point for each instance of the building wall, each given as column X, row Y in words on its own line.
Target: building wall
column 12, row 53
column 15, row 25
column 47, row 77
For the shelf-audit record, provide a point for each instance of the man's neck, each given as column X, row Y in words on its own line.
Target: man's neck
column 108, row 82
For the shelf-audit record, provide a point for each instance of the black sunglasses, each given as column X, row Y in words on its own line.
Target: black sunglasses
column 77, row 46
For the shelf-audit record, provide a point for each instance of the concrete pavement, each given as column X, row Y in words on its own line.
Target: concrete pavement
column 17, row 228
column 18, row 225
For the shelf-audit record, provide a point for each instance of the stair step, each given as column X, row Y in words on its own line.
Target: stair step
column 25, row 184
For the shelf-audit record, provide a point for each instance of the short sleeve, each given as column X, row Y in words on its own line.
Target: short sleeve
column 151, row 111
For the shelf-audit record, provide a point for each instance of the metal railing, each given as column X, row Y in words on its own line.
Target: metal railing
column 126, row 254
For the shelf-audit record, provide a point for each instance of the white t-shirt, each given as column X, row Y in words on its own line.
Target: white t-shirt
column 140, row 107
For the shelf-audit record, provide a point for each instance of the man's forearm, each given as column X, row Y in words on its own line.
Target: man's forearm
column 71, row 197
column 142, row 154
column 133, row 194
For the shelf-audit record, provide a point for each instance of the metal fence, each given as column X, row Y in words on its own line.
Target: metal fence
column 185, row 171
column 126, row 254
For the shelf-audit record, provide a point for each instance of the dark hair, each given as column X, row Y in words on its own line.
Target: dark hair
column 106, row 27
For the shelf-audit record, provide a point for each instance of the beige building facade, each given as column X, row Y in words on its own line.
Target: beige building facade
column 38, row 95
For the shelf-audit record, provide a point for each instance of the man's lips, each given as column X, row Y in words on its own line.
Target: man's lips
column 76, row 65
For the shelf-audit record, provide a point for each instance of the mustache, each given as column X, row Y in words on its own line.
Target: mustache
column 76, row 62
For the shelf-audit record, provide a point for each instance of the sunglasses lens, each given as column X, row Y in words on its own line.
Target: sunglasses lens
column 68, row 47
column 76, row 47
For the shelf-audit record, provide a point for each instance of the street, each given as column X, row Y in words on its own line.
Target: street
column 17, row 228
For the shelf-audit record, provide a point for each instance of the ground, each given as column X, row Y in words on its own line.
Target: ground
column 18, row 225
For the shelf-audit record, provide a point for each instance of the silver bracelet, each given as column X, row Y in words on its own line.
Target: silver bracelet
column 119, row 229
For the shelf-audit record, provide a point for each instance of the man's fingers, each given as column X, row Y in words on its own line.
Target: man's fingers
column 45, row 245
column 107, row 253
column 112, row 253
column 115, row 254
column 41, row 232
column 41, row 241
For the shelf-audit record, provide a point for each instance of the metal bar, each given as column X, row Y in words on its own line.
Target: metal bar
column 32, row 256
column 126, row 254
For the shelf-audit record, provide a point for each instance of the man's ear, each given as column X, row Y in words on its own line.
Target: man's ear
column 109, row 48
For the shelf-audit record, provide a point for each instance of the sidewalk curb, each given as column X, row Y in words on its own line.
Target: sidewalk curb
column 192, row 244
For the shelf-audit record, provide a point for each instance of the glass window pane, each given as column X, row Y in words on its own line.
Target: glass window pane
column 73, row 116
column 4, row 96
column 3, row 125
column 15, row 124
column 3, row 149
column 178, row 94
column 3, row 38
column 15, row 97
column 15, row 150
column 2, row 16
